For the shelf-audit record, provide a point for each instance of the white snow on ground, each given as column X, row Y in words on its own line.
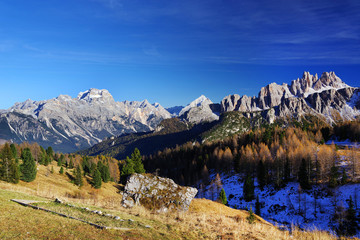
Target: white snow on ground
column 344, row 143
column 281, row 207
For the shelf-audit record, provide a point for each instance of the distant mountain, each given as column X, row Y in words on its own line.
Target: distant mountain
column 327, row 96
column 199, row 110
column 69, row 124
column 168, row 134
column 174, row 111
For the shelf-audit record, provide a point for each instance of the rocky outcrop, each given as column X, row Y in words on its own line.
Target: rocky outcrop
column 156, row 193
column 328, row 96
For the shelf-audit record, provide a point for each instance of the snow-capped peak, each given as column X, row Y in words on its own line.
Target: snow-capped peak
column 200, row 101
column 95, row 94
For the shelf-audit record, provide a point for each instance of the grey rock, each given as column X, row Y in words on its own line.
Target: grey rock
column 161, row 194
column 69, row 124
column 327, row 96
column 199, row 110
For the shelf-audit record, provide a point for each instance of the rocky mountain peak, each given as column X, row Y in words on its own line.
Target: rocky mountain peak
column 329, row 80
column 308, row 94
column 144, row 103
column 198, row 111
column 200, row 101
column 95, row 95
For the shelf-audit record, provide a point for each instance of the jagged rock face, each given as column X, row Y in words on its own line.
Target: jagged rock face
column 199, row 110
column 69, row 124
column 303, row 85
column 328, row 96
column 237, row 103
column 271, row 95
column 157, row 193
column 330, row 102
column 329, row 80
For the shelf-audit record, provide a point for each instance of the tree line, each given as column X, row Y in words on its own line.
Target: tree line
column 273, row 154
column 20, row 161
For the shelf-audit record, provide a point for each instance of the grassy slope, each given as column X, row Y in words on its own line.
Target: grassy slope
column 204, row 220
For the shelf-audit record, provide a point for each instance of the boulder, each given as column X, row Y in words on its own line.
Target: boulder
column 157, row 193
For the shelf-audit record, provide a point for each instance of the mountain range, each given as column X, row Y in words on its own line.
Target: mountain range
column 70, row 124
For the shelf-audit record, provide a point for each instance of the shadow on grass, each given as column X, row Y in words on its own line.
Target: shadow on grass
column 71, row 178
column 119, row 187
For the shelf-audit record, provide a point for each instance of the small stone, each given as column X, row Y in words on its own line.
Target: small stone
column 57, row 200
column 130, row 220
column 99, row 212
column 147, row 226
column 117, row 218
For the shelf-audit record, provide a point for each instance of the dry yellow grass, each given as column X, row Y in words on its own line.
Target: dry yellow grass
column 204, row 220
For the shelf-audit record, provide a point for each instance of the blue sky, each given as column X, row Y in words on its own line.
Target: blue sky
column 171, row 52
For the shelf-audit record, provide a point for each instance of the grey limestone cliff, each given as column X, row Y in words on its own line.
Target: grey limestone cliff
column 69, row 124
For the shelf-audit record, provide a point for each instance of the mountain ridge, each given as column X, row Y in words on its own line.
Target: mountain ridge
column 71, row 124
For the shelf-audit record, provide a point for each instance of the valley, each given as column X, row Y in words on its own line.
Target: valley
column 275, row 154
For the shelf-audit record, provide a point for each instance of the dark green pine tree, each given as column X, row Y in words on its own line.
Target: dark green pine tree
column 93, row 167
column 71, row 163
column 16, row 173
column 61, row 160
column 61, row 171
column 261, row 174
column 14, row 151
column 251, row 218
column 78, row 176
column 86, row 165
column 105, row 172
column 351, row 219
column 41, row 159
column 28, row 167
column 344, row 177
column 127, row 169
column 257, row 206
column 47, row 160
column 303, row 175
column 334, row 175
column 97, row 179
column 9, row 171
column 50, row 152
column 287, row 171
column 137, row 160
column 237, row 163
column 5, row 164
column 248, row 188
column 222, row 197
